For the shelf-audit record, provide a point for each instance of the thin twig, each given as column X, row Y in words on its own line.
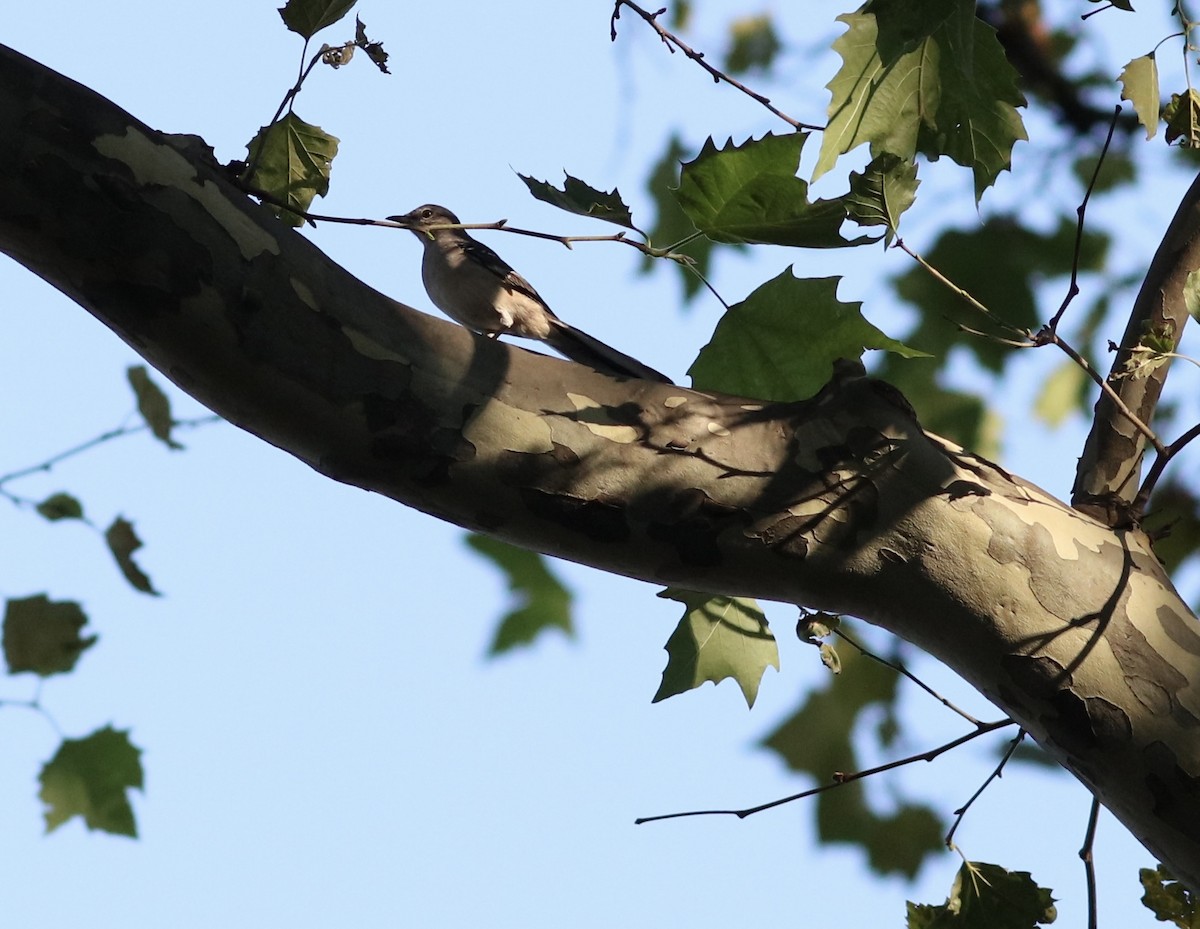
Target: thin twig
column 1160, row 464
column 117, row 433
column 899, row 668
column 959, row 291
column 669, row 40
column 1089, row 862
column 1048, row 336
column 998, row 771
column 840, row 779
column 1081, row 212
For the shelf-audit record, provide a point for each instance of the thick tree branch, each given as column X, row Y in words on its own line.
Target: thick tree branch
column 841, row 502
column 1106, row 481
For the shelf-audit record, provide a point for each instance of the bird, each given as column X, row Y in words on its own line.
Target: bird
column 474, row 286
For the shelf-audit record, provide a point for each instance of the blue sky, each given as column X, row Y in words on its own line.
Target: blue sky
column 324, row 742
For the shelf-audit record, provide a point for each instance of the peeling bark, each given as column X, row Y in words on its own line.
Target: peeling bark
column 840, row 502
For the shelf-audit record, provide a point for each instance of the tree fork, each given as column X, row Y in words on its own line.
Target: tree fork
column 840, row 502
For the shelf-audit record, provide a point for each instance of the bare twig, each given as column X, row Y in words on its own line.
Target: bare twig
column 899, row 668
column 1160, row 464
column 1089, row 862
column 1081, row 212
column 997, row 772
column 840, row 779
column 117, row 433
column 673, row 42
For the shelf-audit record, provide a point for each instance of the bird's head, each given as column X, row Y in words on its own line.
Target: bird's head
column 423, row 220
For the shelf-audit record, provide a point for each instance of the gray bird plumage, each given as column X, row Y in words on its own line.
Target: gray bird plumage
column 474, row 286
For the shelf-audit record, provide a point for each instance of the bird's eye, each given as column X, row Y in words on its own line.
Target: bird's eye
column 427, row 214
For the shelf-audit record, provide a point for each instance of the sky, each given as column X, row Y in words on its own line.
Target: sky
column 323, row 739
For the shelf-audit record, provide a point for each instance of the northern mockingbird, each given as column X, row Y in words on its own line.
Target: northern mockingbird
column 474, row 286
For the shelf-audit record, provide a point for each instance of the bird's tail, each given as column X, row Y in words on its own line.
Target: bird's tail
column 579, row 346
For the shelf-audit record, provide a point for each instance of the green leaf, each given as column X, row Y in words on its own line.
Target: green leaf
column 42, row 636
column 986, row 896
column 903, row 25
column 945, row 88
column 152, row 404
column 718, row 637
column 1064, row 392
column 672, row 226
column 1019, row 258
column 780, row 343
column 292, row 160
column 750, row 193
column 1167, row 899
column 542, row 600
column 60, row 506
column 1117, row 169
column 1191, row 294
column 1173, row 523
column 123, row 542
column 755, row 44
column 818, row 740
column 583, row 200
column 1139, row 85
column 90, row 778
column 1183, row 119
column 884, row 190
column 308, row 17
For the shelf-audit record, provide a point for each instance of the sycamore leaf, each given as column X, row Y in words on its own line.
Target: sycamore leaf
column 780, row 343
column 60, row 506
column 292, row 160
column 718, row 637
column 986, row 896
column 755, row 44
column 1191, row 294
column 1183, row 119
column 152, row 404
column 123, row 542
column 1169, row 900
column 819, row 739
column 750, row 193
column 885, row 189
column 671, row 224
column 1064, row 392
column 582, row 199
column 308, row 17
column 543, row 602
column 1139, row 85
column 945, row 88
column 374, row 50
column 42, row 636
column 90, row 778
column 1019, row 259
column 1173, row 522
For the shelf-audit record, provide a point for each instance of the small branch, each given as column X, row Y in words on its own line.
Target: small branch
column 117, row 433
column 1160, row 464
column 997, row 772
column 965, row 295
column 899, row 668
column 672, row 42
column 839, row 779
column 1081, row 212
column 1089, row 862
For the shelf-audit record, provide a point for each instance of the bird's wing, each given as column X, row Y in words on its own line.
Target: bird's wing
column 488, row 259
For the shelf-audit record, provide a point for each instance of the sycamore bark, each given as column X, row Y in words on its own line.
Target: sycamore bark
column 841, row 502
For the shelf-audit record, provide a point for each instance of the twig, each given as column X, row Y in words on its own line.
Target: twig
column 669, row 40
column 1081, row 212
column 1160, row 464
column 997, row 772
column 899, row 668
column 1089, row 862
column 117, row 433
column 840, row 779
column 959, row 291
